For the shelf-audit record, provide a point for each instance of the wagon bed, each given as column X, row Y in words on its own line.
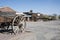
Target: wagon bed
column 11, row 19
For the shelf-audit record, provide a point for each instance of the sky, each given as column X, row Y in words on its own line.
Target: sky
column 41, row 6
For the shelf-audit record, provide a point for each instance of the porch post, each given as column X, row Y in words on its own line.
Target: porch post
column 28, row 18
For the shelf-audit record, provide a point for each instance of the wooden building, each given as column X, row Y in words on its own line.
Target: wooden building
column 6, row 13
column 30, row 16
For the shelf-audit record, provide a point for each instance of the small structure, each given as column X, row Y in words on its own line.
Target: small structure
column 6, row 12
column 30, row 16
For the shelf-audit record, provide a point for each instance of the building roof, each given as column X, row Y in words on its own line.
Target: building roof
column 6, row 9
column 27, row 13
column 30, row 13
column 7, row 12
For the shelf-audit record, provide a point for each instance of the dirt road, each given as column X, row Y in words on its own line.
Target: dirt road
column 49, row 30
column 21, row 36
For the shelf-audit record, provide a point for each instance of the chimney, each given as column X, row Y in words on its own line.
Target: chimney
column 31, row 11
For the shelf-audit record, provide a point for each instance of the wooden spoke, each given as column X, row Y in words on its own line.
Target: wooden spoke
column 18, row 24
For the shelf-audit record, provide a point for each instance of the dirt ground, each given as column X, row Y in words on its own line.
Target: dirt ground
column 45, row 30
column 20, row 36
column 48, row 30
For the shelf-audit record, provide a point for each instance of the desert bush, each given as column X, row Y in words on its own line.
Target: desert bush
column 59, row 16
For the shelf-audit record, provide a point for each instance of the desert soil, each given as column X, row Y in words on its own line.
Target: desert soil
column 48, row 30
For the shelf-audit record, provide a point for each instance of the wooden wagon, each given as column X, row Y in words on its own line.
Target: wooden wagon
column 12, row 21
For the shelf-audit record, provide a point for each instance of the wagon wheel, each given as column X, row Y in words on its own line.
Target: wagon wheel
column 22, row 24
column 18, row 24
